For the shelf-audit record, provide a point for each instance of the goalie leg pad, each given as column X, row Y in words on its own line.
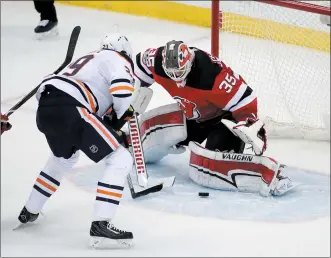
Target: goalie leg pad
column 232, row 171
column 160, row 129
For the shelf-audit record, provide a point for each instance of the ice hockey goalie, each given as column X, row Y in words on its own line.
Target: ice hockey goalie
column 215, row 106
column 163, row 129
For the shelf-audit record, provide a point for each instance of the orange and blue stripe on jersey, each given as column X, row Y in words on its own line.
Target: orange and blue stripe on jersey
column 92, row 100
column 103, row 131
column 121, row 88
column 84, row 90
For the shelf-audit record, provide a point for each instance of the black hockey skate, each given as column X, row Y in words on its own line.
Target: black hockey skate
column 104, row 234
column 46, row 28
column 26, row 216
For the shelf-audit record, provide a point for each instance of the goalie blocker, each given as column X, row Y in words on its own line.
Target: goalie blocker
column 163, row 128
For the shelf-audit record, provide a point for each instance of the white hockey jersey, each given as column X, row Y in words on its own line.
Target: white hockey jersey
column 97, row 80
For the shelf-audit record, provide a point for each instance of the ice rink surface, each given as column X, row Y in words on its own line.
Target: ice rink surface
column 175, row 222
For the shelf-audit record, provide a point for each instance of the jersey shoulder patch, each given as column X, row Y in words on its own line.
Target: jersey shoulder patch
column 148, row 57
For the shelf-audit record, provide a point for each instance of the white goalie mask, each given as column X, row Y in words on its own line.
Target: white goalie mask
column 117, row 42
column 177, row 60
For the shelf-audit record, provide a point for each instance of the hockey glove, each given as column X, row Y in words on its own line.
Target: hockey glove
column 111, row 118
column 124, row 138
column 251, row 131
column 5, row 125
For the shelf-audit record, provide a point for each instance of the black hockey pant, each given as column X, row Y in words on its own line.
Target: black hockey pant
column 69, row 127
column 46, row 9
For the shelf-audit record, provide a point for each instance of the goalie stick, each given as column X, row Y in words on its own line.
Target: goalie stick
column 70, row 53
column 135, row 194
column 139, row 161
column 137, row 151
column 140, row 103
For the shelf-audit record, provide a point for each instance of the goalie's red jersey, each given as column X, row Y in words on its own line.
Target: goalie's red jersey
column 211, row 87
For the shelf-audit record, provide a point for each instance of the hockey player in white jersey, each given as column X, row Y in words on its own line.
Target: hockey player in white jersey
column 82, row 109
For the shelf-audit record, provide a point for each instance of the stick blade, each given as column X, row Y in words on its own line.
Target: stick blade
column 167, row 181
column 153, row 189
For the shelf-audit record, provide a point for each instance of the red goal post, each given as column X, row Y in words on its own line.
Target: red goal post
column 282, row 49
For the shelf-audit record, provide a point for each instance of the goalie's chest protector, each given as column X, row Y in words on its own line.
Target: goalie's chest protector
column 194, row 97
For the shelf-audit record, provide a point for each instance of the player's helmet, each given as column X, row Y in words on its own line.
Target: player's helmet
column 177, row 61
column 117, row 42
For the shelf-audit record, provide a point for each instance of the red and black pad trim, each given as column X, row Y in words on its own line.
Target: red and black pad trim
column 172, row 119
column 220, row 168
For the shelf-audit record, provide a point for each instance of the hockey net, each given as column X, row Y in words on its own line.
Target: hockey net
column 282, row 49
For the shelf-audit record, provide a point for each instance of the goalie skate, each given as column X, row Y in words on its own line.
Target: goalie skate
column 105, row 235
column 284, row 185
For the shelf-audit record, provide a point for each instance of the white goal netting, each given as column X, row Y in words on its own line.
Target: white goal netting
column 284, row 54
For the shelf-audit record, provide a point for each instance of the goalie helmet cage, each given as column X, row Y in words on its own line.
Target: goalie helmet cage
column 282, row 50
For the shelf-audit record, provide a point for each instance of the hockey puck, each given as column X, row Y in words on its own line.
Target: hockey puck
column 203, row 194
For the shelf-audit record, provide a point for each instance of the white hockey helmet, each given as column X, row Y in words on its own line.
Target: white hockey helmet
column 117, row 42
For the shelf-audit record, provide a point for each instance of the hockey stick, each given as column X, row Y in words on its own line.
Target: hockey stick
column 138, row 156
column 70, row 53
column 140, row 165
column 137, row 151
column 135, row 194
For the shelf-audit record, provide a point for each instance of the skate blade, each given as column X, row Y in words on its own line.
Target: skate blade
column 28, row 224
column 284, row 192
column 49, row 34
column 24, row 225
column 18, row 226
column 107, row 243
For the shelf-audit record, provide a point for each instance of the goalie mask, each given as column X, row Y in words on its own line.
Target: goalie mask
column 117, row 42
column 177, row 61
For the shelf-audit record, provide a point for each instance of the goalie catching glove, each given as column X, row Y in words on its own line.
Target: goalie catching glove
column 251, row 132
